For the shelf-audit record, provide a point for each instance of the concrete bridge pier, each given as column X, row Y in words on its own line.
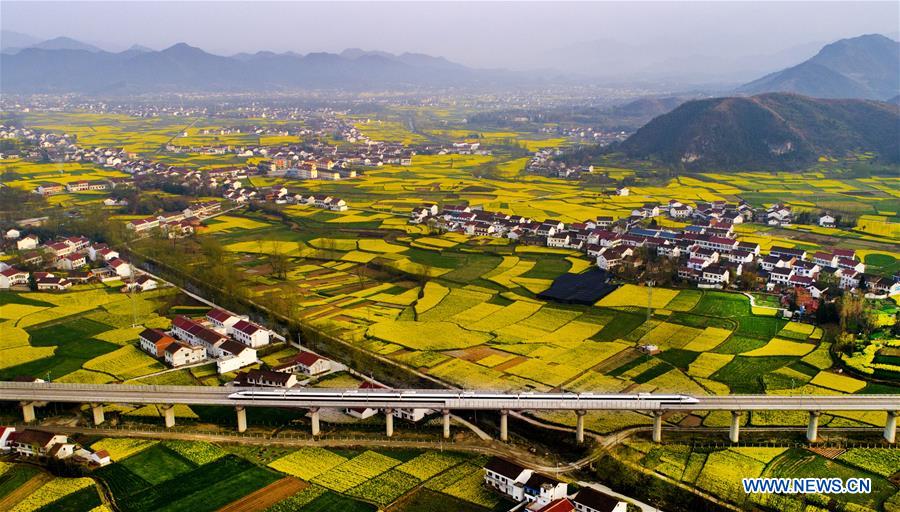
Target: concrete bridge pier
column 314, row 417
column 657, row 426
column 890, row 428
column 389, row 422
column 28, row 411
column 504, row 425
column 812, row 431
column 97, row 411
column 579, row 426
column 169, row 415
column 735, row 433
column 241, row 418
column 445, row 413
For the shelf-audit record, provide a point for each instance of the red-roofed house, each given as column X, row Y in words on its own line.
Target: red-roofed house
column 13, row 277
column 560, row 505
column 4, row 437
column 249, row 333
column 120, row 267
column 365, row 412
column 180, row 354
column 154, row 342
column 71, row 262
column 222, row 320
column 311, row 364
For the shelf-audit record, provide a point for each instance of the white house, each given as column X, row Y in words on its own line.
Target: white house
column 12, row 277
column 100, row 458
column 521, row 484
column 28, row 243
column 543, row 489
column 234, row 356
column 249, row 333
column 268, row 378
column 413, row 415
column 35, row 442
column 221, row 320
column 143, row 283
column 590, row 500
column 827, row 221
column 311, row 364
column 180, row 354
column 4, row 437
column 120, row 267
column 72, row 261
column 364, row 412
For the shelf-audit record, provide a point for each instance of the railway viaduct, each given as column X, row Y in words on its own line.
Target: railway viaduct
column 30, row 395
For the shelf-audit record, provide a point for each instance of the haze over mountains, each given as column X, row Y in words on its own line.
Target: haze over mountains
column 767, row 130
column 862, row 67
column 183, row 67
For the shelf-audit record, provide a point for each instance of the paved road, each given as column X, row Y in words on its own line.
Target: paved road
column 431, row 398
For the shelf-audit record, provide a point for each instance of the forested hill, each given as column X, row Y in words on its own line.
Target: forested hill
column 768, row 130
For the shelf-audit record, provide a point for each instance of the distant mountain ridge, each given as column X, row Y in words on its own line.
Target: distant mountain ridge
column 184, row 67
column 768, row 130
column 864, row 67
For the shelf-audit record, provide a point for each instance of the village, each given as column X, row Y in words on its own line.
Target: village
column 707, row 252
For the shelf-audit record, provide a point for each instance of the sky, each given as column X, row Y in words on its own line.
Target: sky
column 511, row 35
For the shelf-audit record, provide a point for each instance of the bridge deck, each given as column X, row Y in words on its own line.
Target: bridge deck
column 434, row 399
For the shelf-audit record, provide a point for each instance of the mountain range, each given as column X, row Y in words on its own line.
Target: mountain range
column 183, row 67
column 767, row 130
column 866, row 67
column 863, row 67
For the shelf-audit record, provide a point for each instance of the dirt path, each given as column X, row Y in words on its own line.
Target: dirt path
column 10, row 500
column 267, row 496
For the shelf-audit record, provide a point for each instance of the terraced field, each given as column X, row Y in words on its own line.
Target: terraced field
column 476, row 321
column 719, row 471
column 308, row 479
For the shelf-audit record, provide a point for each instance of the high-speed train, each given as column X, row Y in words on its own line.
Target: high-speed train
column 443, row 397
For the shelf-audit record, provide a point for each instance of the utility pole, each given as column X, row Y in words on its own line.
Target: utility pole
column 649, row 299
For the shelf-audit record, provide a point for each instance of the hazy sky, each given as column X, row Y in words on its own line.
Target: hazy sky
column 497, row 34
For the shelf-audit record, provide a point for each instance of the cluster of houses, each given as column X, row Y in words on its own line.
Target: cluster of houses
column 228, row 339
column 51, row 188
column 543, row 163
column 708, row 252
column 177, row 224
column 586, row 133
column 38, row 144
column 284, row 375
column 536, row 492
column 40, row 443
column 64, row 262
column 279, row 194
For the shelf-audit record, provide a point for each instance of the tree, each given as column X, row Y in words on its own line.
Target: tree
column 279, row 262
column 850, row 309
